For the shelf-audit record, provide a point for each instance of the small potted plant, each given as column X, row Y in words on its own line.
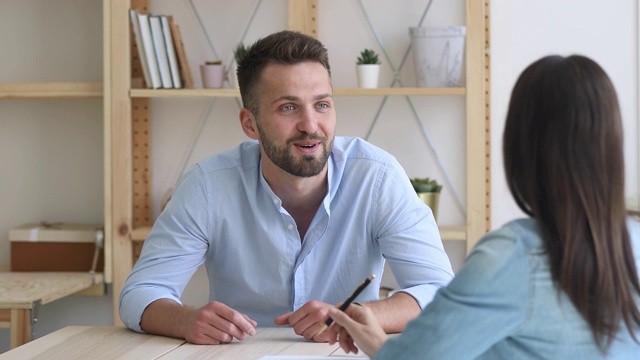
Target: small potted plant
column 238, row 53
column 429, row 191
column 368, row 69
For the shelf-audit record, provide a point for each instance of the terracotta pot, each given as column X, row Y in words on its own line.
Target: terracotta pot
column 212, row 76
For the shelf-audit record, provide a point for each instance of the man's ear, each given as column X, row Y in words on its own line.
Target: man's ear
column 248, row 123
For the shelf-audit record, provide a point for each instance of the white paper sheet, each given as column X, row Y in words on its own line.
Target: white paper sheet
column 303, row 357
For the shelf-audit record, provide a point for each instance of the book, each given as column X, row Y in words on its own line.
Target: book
column 161, row 51
column 150, row 55
column 141, row 54
column 171, row 52
column 187, row 77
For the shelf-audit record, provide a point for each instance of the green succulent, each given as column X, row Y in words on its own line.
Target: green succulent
column 421, row 185
column 239, row 52
column 367, row 56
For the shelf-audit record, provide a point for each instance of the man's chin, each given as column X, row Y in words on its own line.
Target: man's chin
column 307, row 170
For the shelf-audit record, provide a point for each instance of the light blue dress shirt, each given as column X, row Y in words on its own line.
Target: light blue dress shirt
column 224, row 213
column 503, row 304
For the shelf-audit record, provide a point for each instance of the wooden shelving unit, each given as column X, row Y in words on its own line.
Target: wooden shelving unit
column 127, row 115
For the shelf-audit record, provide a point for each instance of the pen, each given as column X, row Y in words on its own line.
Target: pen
column 348, row 302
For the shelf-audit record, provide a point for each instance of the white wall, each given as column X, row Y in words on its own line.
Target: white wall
column 523, row 31
column 52, row 149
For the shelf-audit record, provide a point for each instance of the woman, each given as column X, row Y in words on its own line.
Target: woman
column 561, row 284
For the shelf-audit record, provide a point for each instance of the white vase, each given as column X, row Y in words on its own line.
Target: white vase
column 438, row 55
column 368, row 75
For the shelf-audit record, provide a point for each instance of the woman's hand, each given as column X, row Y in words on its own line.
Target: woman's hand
column 357, row 326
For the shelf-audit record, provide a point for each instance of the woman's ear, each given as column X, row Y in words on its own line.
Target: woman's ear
column 248, row 123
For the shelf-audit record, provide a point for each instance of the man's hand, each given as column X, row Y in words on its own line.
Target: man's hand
column 214, row 323
column 357, row 326
column 217, row 323
column 308, row 320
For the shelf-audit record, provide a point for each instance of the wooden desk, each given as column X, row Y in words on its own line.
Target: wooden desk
column 22, row 293
column 112, row 342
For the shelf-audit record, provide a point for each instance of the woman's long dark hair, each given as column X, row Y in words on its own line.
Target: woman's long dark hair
column 564, row 164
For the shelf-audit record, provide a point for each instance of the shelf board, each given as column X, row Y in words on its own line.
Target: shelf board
column 141, row 233
column 453, row 233
column 154, row 93
column 446, row 233
column 399, row 91
column 53, row 90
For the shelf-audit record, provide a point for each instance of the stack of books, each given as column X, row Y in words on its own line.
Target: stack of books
column 161, row 51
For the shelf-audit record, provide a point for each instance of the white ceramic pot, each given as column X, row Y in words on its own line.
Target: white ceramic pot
column 368, row 75
column 438, row 55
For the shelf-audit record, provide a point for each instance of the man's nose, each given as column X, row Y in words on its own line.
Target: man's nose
column 308, row 122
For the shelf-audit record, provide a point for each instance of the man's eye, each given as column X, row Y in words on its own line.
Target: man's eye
column 287, row 108
column 323, row 105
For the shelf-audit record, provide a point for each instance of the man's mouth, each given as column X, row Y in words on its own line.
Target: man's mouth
column 307, row 146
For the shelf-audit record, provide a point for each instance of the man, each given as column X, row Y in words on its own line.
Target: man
column 287, row 224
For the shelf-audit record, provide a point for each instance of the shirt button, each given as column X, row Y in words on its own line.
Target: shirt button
column 290, row 227
column 275, row 201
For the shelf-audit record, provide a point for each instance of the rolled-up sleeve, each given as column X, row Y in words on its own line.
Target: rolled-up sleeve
column 171, row 254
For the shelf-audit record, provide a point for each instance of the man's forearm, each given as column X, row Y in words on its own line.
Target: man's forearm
column 394, row 312
column 166, row 317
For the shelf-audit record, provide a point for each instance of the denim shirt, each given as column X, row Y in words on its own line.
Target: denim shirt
column 503, row 304
column 224, row 214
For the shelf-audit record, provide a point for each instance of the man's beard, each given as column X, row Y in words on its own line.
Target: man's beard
column 308, row 166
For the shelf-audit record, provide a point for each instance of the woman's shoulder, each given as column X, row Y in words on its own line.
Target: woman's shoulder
column 521, row 233
column 499, row 265
column 507, row 247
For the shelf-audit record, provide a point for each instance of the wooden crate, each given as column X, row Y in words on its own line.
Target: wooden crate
column 56, row 247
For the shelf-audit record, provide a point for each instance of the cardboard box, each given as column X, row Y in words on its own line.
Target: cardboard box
column 56, row 247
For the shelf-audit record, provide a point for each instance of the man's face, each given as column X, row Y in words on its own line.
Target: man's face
column 296, row 120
